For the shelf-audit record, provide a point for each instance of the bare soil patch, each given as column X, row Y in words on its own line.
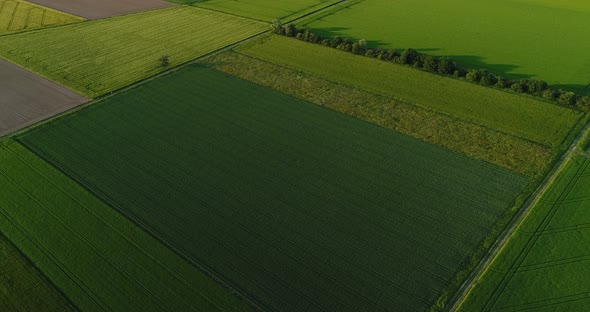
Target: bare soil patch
column 26, row 98
column 92, row 9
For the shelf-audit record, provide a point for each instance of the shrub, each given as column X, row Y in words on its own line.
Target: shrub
column 409, row 56
column 165, row 61
column 473, row 75
column 567, row 99
column 517, row 87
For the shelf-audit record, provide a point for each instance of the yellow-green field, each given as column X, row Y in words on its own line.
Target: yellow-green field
column 94, row 58
column 16, row 15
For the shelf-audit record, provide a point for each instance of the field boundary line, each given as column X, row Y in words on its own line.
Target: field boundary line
column 484, row 264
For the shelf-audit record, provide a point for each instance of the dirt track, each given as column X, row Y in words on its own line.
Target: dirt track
column 96, row 9
column 26, row 98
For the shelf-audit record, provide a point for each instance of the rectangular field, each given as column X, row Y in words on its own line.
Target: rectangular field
column 546, row 264
column 264, row 10
column 99, row 259
column 296, row 206
column 26, row 98
column 520, row 116
column 23, row 287
column 97, row 57
column 544, row 39
column 16, row 15
column 92, row 9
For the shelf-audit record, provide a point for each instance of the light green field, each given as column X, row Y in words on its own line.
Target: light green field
column 264, row 10
column 23, row 287
column 98, row 258
column 546, row 264
column 517, row 115
column 100, row 56
column 16, row 15
column 545, row 39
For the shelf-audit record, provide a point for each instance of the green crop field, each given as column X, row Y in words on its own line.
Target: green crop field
column 22, row 287
column 16, row 15
column 510, row 152
column 546, row 264
column 100, row 56
column 264, row 10
column 99, row 259
column 517, row 38
column 296, row 206
column 521, row 116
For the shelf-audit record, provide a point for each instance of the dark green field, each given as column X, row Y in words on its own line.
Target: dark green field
column 296, row 206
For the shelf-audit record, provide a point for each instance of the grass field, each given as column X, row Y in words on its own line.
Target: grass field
column 22, row 287
column 297, row 206
column 483, row 143
column 16, row 15
column 546, row 264
column 517, row 38
column 520, row 116
column 100, row 56
column 264, row 10
column 99, row 259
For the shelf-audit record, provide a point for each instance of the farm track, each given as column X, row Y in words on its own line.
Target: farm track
column 164, row 73
column 485, row 263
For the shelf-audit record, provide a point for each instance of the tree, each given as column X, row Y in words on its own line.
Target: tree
column 356, row 48
column 290, row 30
column 501, row 83
column 370, row 53
column 277, row 26
column 409, row 56
column 487, row 79
column 165, row 61
column 567, row 99
column 550, row 94
column 446, row 66
column 363, row 43
column 517, row 87
column 583, row 103
column 430, row 64
column 473, row 75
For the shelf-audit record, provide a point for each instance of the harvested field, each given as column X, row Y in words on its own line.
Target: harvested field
column 16, row 15
column 96, row 57
column 93, row 9
column 26, row 98
column 298, row 207
column 99, row 259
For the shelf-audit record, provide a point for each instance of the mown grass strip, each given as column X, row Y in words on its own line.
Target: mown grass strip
column 297, row 206
column 520, row 116
column 99, row 259
column 97, row 57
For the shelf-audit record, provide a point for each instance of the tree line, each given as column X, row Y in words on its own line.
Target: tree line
column 439, row 65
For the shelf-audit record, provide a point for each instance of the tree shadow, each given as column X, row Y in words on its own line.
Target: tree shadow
column 579, row 89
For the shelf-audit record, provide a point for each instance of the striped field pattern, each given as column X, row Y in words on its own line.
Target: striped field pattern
column 17, row 15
